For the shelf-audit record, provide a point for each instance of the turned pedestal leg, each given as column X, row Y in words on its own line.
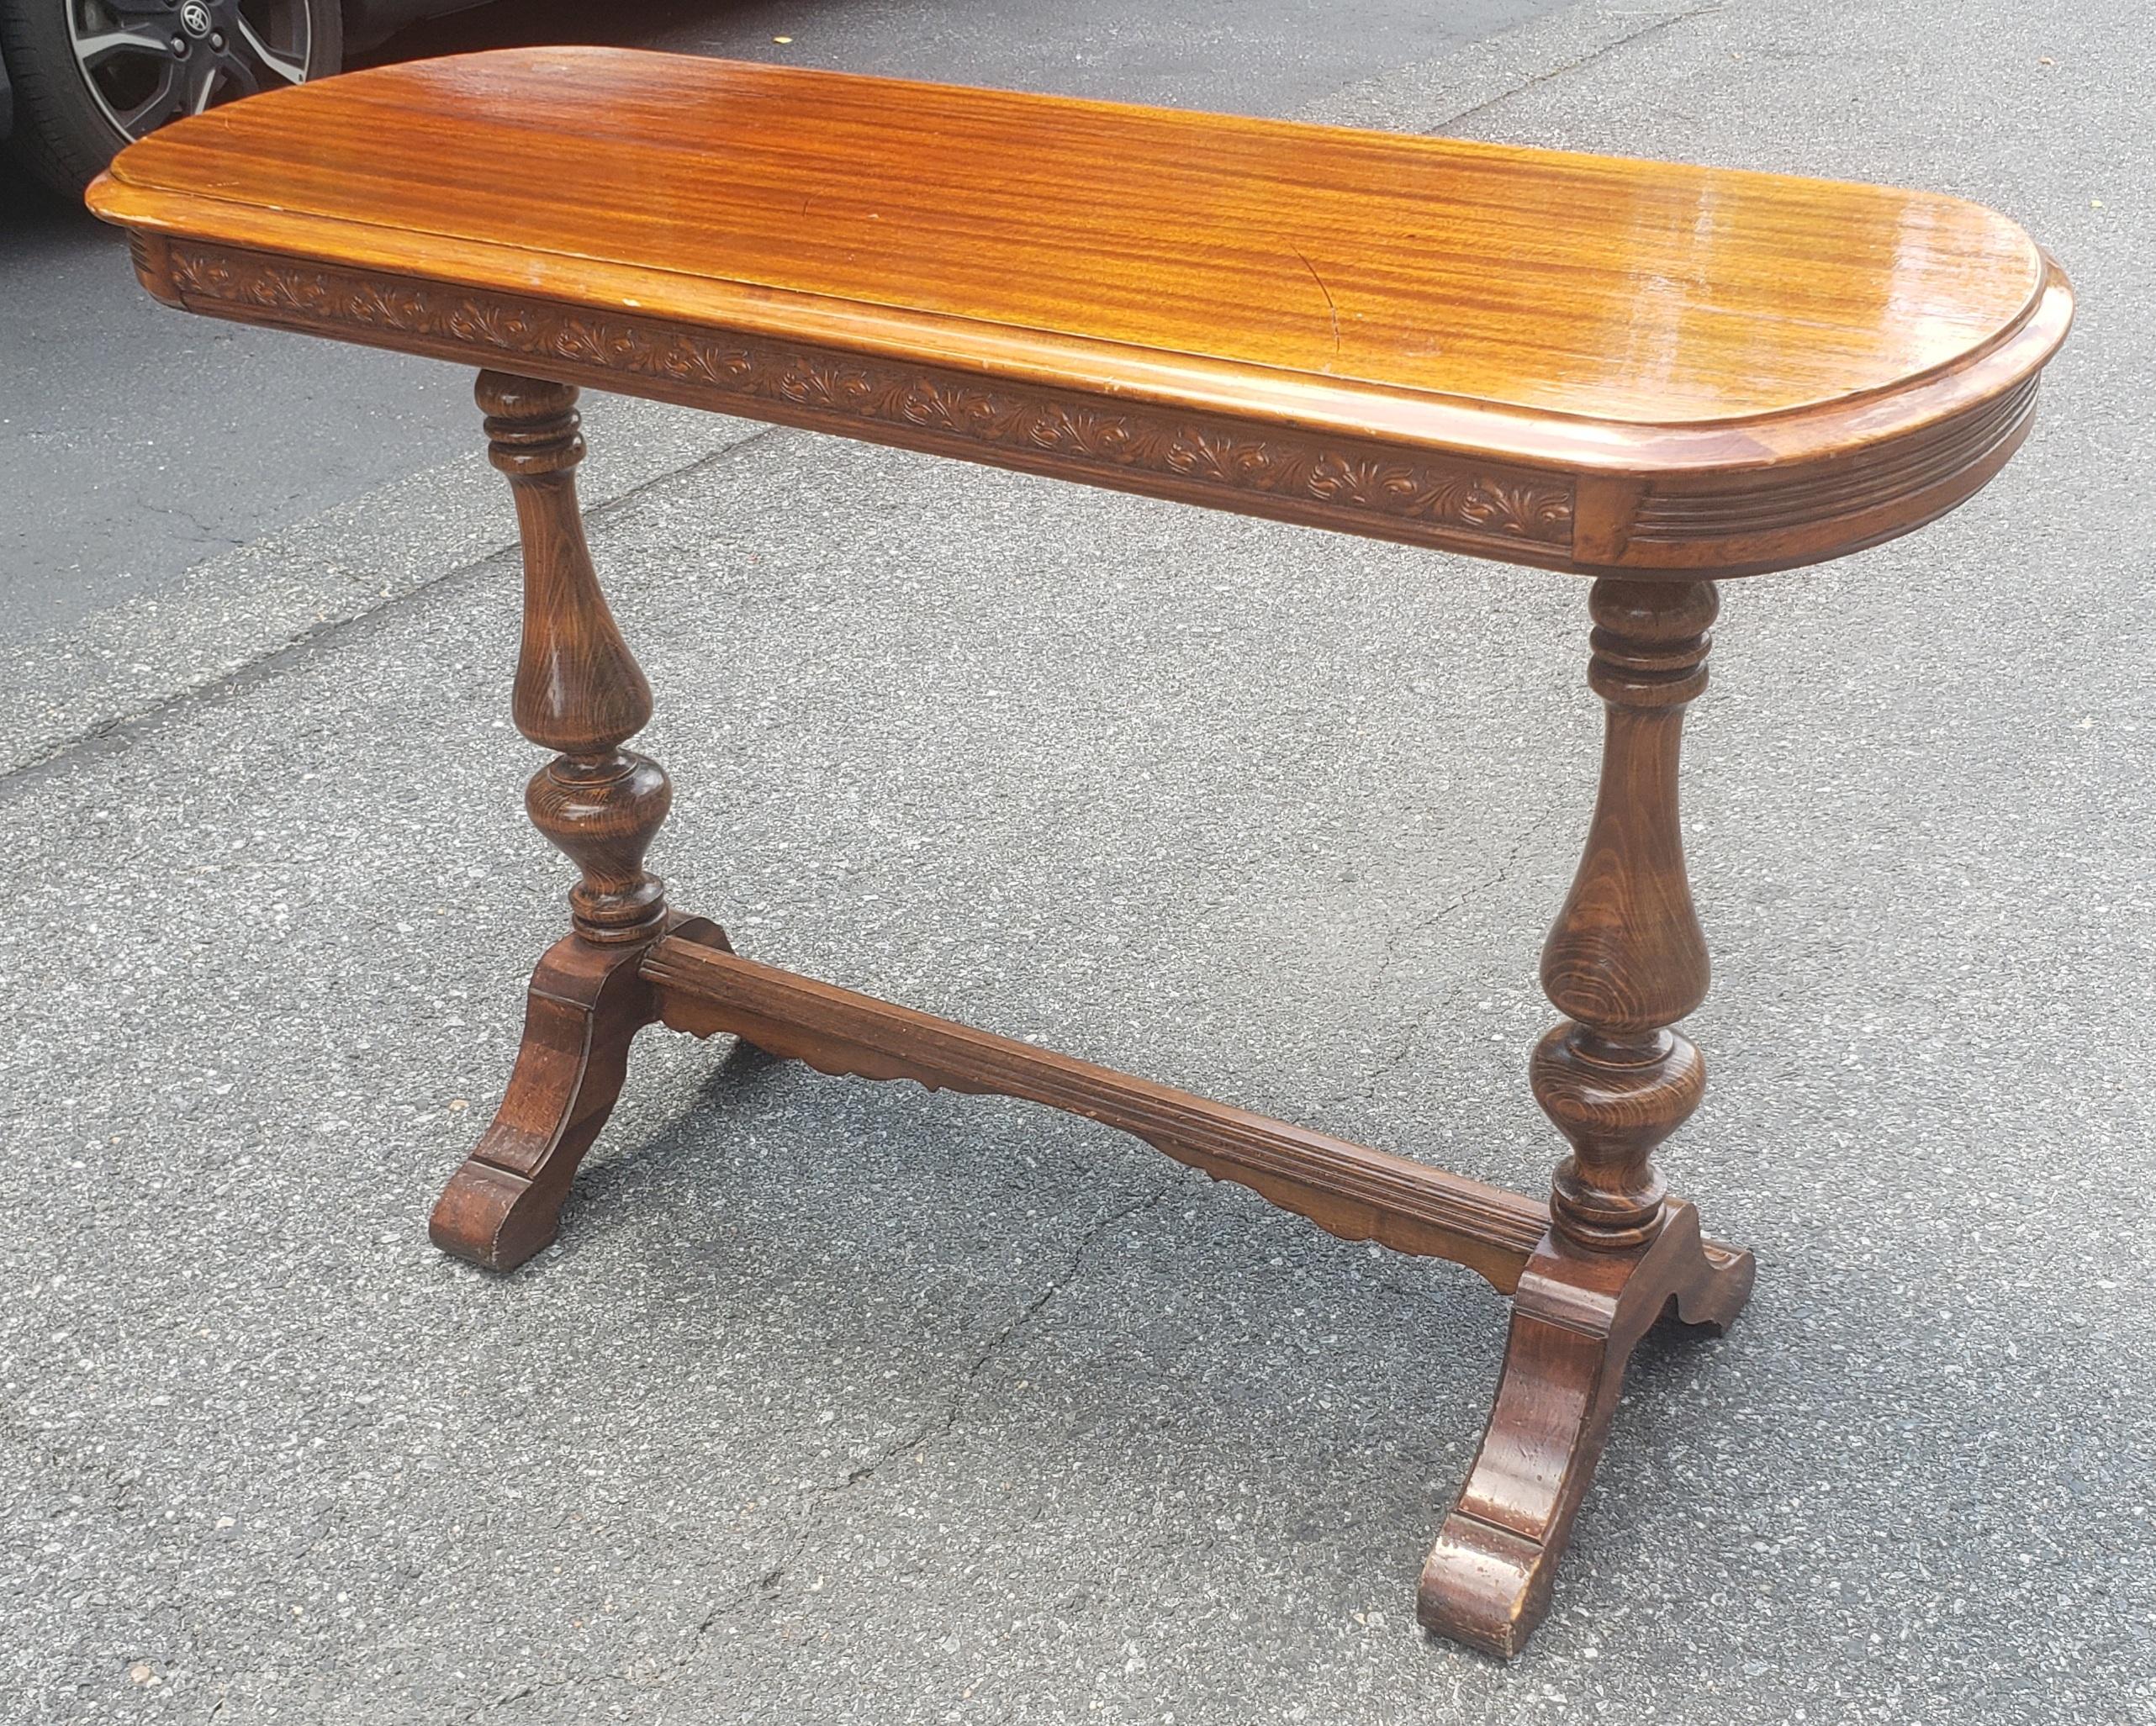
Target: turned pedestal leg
column 579, row 692
column 1625, row 961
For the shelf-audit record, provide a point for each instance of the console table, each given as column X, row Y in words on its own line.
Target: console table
column 1658, row 376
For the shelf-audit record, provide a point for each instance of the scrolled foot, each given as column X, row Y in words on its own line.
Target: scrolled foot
column 495, row 1218
column 1484, row 1585
column 586, row 1002
column 1577, row 1315
column 1712, row 1301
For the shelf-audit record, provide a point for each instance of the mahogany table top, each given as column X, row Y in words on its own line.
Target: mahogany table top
column 1588, row 314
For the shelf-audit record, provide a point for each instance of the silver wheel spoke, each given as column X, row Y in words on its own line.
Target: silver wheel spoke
column 175, row 54
column 96, row 49
column 290, row 71
column 205, row 85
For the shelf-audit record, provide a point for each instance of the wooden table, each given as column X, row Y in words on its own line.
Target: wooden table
column 1657, row 376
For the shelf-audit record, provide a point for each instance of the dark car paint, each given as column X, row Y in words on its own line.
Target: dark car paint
column 367, row 22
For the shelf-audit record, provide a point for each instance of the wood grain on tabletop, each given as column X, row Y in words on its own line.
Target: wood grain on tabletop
column 1581, row 285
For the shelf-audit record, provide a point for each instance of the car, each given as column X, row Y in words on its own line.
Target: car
column 79, row 78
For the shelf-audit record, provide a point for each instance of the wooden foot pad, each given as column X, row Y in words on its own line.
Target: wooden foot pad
column 1576, row 1314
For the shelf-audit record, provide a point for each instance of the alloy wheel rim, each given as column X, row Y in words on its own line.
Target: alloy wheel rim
column 148, row 61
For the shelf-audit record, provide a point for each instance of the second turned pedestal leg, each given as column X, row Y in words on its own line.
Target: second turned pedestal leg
column 1625, row 961
column 580, row 692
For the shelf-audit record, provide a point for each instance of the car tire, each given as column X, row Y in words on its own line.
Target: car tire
column 68, row 127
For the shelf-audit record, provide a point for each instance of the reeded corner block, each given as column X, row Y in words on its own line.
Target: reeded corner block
column 151, row 255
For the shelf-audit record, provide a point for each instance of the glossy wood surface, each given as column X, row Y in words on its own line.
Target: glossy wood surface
column 1584, row 285
column 587, row 1001
column 578, row 691
column 1581, row 361
column 1589, row 1270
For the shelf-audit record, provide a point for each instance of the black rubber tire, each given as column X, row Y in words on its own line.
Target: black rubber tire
column 61, row 136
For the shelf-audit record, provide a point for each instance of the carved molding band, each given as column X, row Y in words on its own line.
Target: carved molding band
column 1023, row 426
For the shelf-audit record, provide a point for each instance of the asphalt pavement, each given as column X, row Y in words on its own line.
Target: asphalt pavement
column 847, row 1403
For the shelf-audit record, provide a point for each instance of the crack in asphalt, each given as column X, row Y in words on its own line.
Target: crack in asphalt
column 933, row 1431
column 1363, row 1089
column 1668, row 21
column 939, row 1427
column 766, row 1586
column 179, row 512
